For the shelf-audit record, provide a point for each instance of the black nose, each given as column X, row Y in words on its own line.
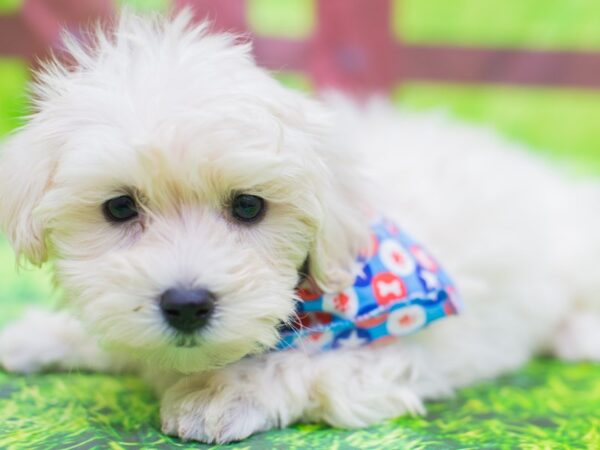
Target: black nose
column 187, row 310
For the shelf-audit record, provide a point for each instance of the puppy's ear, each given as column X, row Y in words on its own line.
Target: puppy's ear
column 342, row 191
column 340, row 236
column 335, row 189
column 26, row 168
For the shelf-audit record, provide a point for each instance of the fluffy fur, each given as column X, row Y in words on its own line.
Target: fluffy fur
column 182, row 119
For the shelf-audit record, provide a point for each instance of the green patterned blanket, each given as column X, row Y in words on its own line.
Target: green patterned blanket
column 547, row 405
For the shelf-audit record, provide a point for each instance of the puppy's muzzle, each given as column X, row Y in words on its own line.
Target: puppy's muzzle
column 187, row 310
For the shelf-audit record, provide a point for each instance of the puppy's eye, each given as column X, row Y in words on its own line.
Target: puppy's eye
column 120, row 209
column 247, row 208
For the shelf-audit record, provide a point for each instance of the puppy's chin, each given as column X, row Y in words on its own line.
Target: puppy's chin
column 188, row 355
column 188, row 359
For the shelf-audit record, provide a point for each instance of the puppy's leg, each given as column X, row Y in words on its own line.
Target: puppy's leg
column 230, row 404
column 578, row 339
column 578, row 336
column 44, row 340
column 342, row 388
column 358, row 388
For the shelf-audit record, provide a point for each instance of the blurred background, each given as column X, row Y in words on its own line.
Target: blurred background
column 529, row 68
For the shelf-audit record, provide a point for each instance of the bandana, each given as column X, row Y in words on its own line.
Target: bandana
column 400, row 288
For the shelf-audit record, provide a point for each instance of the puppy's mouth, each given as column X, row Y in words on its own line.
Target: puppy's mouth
column 186, row 341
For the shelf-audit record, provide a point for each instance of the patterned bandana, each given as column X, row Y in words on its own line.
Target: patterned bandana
column 399, row 290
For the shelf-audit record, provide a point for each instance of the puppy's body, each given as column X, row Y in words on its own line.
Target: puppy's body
column 183, row 120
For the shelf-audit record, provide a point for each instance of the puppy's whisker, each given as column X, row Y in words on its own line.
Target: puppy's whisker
column 294, row 319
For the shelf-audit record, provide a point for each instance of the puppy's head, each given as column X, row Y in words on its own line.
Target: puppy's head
column 179, row 190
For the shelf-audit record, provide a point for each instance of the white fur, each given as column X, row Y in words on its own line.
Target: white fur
column 183, row 119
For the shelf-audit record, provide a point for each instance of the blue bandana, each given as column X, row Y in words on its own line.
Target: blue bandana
column 399, row 290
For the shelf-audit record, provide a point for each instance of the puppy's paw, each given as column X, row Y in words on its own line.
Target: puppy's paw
column 41, row 340
column 215, row 412
column 579, row 338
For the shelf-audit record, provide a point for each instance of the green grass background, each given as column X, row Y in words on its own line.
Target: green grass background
column 547, row 405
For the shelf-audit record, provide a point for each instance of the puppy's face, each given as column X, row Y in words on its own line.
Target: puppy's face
column 180, row 190
column 210, row 209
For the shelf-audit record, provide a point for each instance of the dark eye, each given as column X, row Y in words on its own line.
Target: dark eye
column 120, row 209
column 247, row 208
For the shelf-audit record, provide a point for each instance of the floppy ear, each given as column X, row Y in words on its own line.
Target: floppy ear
column 26, row 168
column 340, row 237
column 342, row 191
column 342, row 229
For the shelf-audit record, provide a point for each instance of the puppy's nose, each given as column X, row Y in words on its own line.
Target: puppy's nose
column 187, row 310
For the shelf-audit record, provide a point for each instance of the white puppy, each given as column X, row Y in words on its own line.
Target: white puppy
column 164, row 164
